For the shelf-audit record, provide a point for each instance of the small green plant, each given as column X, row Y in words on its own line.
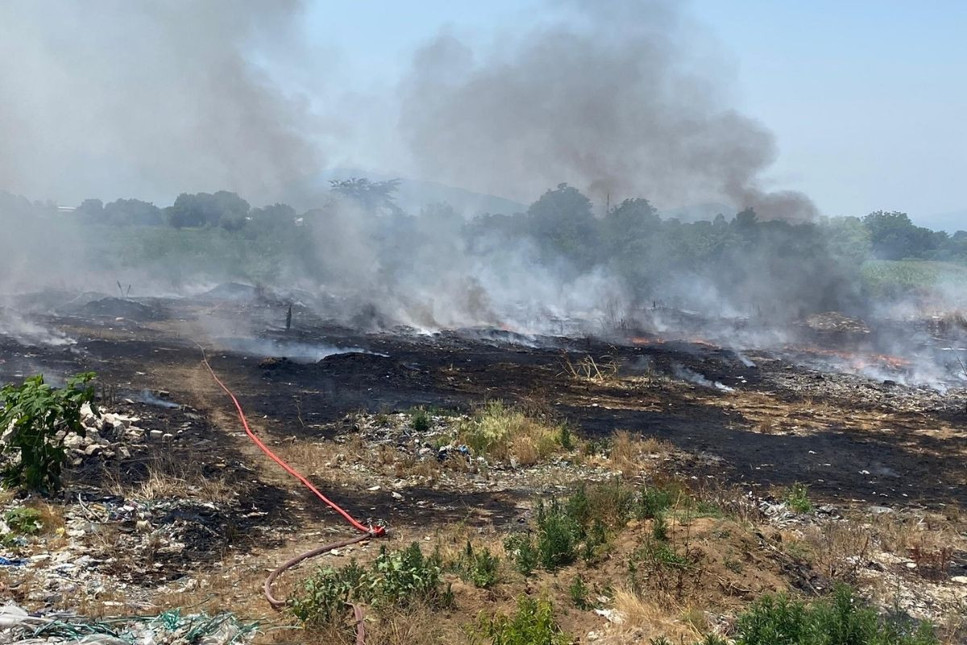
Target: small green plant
column 394, row 579
column 558, row 536
column 532, row 624
column 324, row 595
column 797, row 498
column 654, row 500
column 38, row 416
column 566, row 438
column 24, row 521
column 522, row 550
column 579, row 592
column 659, row 528
column 420, row 420
column 480, row 567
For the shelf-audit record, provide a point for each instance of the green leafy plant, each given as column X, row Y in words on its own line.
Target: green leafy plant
column 523, row 552
column 24, row 521
column 480, row 567
column 420, row 420
column 37, row 417
column 324, row 595
column 558, row 536
column 579, row 592
column 841, row 619
column 797, row 498
column 395, row 579
column 654, row 500
column 532, row 624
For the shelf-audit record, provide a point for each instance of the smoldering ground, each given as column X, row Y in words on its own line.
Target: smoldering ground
column 619, row 99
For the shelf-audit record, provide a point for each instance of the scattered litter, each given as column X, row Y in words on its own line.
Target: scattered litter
column 168, row 628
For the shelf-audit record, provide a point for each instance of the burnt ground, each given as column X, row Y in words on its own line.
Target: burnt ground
column 753, row 421
column 887, row 444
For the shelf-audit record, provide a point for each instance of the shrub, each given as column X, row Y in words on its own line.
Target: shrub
column 797, row 498
column 394, row 579
column 578, row 591
column 420, row 420
column 37, row 417
column 558, row 536
column 324, row 595
column 521, row 548
column 841, row 619
column 479, row 567
column 532, row 624
column 654, row 500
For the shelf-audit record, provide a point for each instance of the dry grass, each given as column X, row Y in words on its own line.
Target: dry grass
column 838, row 548
column 587, row 368
column 631, row 454
column 506, row 434
column 172, row 476
column 644, row 619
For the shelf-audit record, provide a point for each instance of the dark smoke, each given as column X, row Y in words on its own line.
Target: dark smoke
column 611, row 102
column 156, row 97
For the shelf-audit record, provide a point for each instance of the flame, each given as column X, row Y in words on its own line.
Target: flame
column 856, row 360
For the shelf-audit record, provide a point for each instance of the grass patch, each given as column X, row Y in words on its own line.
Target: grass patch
column 504, row 434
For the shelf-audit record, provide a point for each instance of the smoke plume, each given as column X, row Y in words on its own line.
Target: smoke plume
column 612, row 101
column 152, row 98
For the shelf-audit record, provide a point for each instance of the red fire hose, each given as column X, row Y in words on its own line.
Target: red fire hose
column 367, row 531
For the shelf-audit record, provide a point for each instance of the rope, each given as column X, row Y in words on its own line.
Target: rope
column 367, row 531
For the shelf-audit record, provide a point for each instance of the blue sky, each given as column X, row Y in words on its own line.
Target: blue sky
column 867, row 100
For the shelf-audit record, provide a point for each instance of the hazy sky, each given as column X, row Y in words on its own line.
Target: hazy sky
column 859, row 105
column 867, row 98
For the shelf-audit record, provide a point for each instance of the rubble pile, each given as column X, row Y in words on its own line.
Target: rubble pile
column 108, row 435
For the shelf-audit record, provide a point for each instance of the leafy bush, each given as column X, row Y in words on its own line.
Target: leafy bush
column 37, row 417
column 24, row 521
column 654, row 500
column 558, row 536
column 797, row 498
column 420, row 420
column 394, row 579
column 841, row 619
column 532, row 624
column 479, row 567
column 522, row 550
column 578, row 591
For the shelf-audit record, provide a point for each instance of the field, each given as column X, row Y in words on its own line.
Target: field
column 597, row 490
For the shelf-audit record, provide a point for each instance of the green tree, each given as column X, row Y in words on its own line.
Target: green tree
column 372, row 196
column 895, row 237
column 562, row 223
